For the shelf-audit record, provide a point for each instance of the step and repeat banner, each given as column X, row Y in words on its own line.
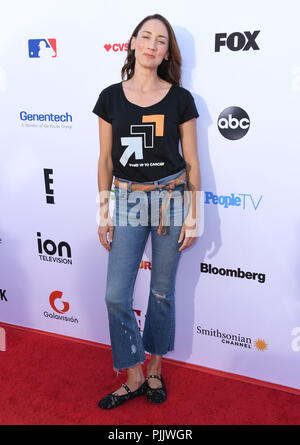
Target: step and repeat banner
column 237, row 287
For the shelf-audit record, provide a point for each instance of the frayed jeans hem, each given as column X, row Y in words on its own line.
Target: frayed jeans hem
column 157, row 353
column 124, row 369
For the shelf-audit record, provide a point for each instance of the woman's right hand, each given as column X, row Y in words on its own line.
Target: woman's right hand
column 108, row 227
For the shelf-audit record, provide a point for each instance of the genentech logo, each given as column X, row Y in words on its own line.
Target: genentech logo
column 48, row 172
column 2, row 340
column 241, row 200
column 2, row 295
column 232, row 273
column 234, row 339
column 233, row 123
column 46, row 120
column 295, row 345
column 42, row 48
column 60, row 307
column 116, row 47
column 237, row 41
column 51, row 249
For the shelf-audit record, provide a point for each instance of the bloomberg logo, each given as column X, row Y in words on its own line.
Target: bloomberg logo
column 24, row 116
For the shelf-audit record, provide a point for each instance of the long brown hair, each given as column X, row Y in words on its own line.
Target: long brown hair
column 169, row 70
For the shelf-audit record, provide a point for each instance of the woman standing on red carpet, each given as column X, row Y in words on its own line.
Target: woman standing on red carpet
column 140, row 123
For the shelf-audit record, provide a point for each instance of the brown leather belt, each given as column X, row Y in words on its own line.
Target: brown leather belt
column 146, row 187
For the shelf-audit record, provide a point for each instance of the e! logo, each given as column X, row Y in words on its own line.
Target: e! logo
column 54, row 296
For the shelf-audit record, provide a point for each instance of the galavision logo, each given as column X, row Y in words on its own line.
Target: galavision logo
column 54, row 296
column 57, row 295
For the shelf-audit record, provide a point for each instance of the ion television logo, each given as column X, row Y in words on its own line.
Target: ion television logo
column 55, row 253
column 233, row 123
column 42, row 48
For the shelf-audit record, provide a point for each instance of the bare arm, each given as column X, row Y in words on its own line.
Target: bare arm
column 188, row 136
column 105, row 169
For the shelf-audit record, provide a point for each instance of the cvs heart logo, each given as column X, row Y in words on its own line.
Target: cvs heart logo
column 116, row 47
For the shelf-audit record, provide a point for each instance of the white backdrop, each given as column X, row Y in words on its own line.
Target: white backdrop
column 248, row 326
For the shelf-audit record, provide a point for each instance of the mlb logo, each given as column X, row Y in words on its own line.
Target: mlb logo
column 42, row 48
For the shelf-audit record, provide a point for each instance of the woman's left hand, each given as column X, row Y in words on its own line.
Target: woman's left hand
column 188, row 240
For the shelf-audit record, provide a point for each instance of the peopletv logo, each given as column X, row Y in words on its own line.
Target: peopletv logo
column 244, row 200
column 42, row 48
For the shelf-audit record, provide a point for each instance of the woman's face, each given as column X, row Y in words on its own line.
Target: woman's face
column 151, row 43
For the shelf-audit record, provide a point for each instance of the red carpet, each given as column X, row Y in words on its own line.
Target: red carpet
column 46, row 380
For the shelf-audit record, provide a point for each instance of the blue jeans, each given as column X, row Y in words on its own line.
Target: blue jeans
column 127, row 247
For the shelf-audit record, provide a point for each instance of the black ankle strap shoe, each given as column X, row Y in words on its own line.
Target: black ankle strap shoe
column 156, row 395
column 112, row 400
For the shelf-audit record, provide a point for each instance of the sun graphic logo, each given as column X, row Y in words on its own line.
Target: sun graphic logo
column 261, row 345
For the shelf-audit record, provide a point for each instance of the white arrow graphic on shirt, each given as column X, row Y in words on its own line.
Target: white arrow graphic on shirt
column 135, row 145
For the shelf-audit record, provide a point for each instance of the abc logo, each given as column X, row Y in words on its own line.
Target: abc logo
column 233, row 123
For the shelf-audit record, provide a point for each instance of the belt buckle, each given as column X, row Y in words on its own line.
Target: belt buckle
column 123, row 185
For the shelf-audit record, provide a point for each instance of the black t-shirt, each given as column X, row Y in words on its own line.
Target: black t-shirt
column 145, row 139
